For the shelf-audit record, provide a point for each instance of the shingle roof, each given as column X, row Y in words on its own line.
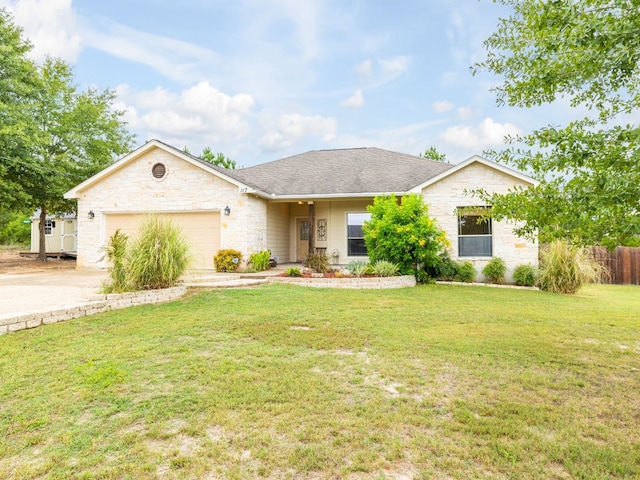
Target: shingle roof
column 344, row 171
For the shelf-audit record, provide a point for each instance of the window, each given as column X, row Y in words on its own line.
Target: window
column 355, row 235
column 49, row 225
column 474, row 233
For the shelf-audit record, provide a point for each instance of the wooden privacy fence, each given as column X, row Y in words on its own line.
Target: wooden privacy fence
column 623, row 264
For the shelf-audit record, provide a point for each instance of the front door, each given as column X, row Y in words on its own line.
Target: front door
column 302, row 239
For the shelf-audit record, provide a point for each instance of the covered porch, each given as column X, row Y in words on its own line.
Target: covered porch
column 297, row 227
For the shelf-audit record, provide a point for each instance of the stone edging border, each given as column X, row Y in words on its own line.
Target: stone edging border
column 95, row 304
column 402, row 281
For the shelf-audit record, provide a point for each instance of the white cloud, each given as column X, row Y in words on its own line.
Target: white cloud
column 394, row 67
column 364, row 69
column 198, row 111
column 442, row 106
column 50, row 25
column 356, row 100
column 464, row 113
column 175, row 59
column 476, row 138
column 292, row 128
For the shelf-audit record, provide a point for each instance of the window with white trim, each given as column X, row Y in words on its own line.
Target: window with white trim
column 475, row 237
column 48, row 227
column 355, row 234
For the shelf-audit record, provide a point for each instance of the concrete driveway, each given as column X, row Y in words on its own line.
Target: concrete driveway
column 23, row 293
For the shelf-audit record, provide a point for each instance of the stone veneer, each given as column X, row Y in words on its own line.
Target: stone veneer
column 445, row 196
column 184, row 188
column 95, row 304
column 402, row 281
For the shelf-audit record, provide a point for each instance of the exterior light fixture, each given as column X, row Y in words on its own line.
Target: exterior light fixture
column 227, row 210
column 91, row 215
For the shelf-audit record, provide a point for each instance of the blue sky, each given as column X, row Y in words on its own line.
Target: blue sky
column 264, row 79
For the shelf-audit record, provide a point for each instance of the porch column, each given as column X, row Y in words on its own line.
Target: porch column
column 312, row 228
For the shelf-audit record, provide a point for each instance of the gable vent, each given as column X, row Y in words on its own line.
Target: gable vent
column 158, row 170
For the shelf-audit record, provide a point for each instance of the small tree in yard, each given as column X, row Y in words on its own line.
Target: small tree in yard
column 403, row 233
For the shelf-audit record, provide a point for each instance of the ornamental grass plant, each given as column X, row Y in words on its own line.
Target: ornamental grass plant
column 565, row 267
column 158, row 256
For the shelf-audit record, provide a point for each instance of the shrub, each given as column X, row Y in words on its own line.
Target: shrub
column 358, row 268
column 525, row 275
column 565, row 268
column 292, row 272
column 444, row 268
column 384, row 268
column 466, row 272
column 115, row 253
column 403, row 233
column 495, row 270
column 13, row 230
column 260, row 260
column 318, row 262
column 158, row 256
column 227, row 260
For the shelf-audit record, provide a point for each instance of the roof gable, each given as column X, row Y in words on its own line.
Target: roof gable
column 142, row 150
column 473, row 160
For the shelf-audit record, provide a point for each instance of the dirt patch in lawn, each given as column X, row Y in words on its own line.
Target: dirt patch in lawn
column 12, row 262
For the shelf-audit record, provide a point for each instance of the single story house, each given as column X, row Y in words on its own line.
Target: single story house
column 312, row 201
column 60, row 233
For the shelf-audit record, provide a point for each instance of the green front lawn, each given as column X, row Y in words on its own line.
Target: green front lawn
column 289, row 382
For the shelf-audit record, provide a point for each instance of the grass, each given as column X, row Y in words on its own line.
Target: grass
column 287, row 382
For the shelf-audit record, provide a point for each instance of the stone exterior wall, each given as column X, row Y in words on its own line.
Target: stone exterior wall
column 446, row 195
column 95, row 304
column 184, row 188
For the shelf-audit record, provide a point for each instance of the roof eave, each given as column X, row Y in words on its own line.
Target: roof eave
column 330, row 196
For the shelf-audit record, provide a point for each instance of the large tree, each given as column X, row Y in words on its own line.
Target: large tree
column 58, row 134
column 588, row 54
column 18, row 85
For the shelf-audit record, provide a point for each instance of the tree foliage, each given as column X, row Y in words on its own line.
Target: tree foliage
column 587, row 54
column 17, row 86
column 432, row 153
column 56, row 135
column 403, row 233
column 214, row 158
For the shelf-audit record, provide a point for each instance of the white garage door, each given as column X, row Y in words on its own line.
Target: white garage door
column 201, row 229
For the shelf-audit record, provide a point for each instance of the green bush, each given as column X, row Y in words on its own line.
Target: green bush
column 525, row 275
column 227, row 260
column 403, row 233
column 444, row 268
column 318, row 262
column 565, row 268
column 495, row 270
column 115, row 253
column 466, row 272
column 292, row 272
column 358, row 268
column 13, row 230
column 384, row 268
column 158, row 256
column 260, row 260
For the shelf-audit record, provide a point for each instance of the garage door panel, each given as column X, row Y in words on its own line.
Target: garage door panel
column 201, row 229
